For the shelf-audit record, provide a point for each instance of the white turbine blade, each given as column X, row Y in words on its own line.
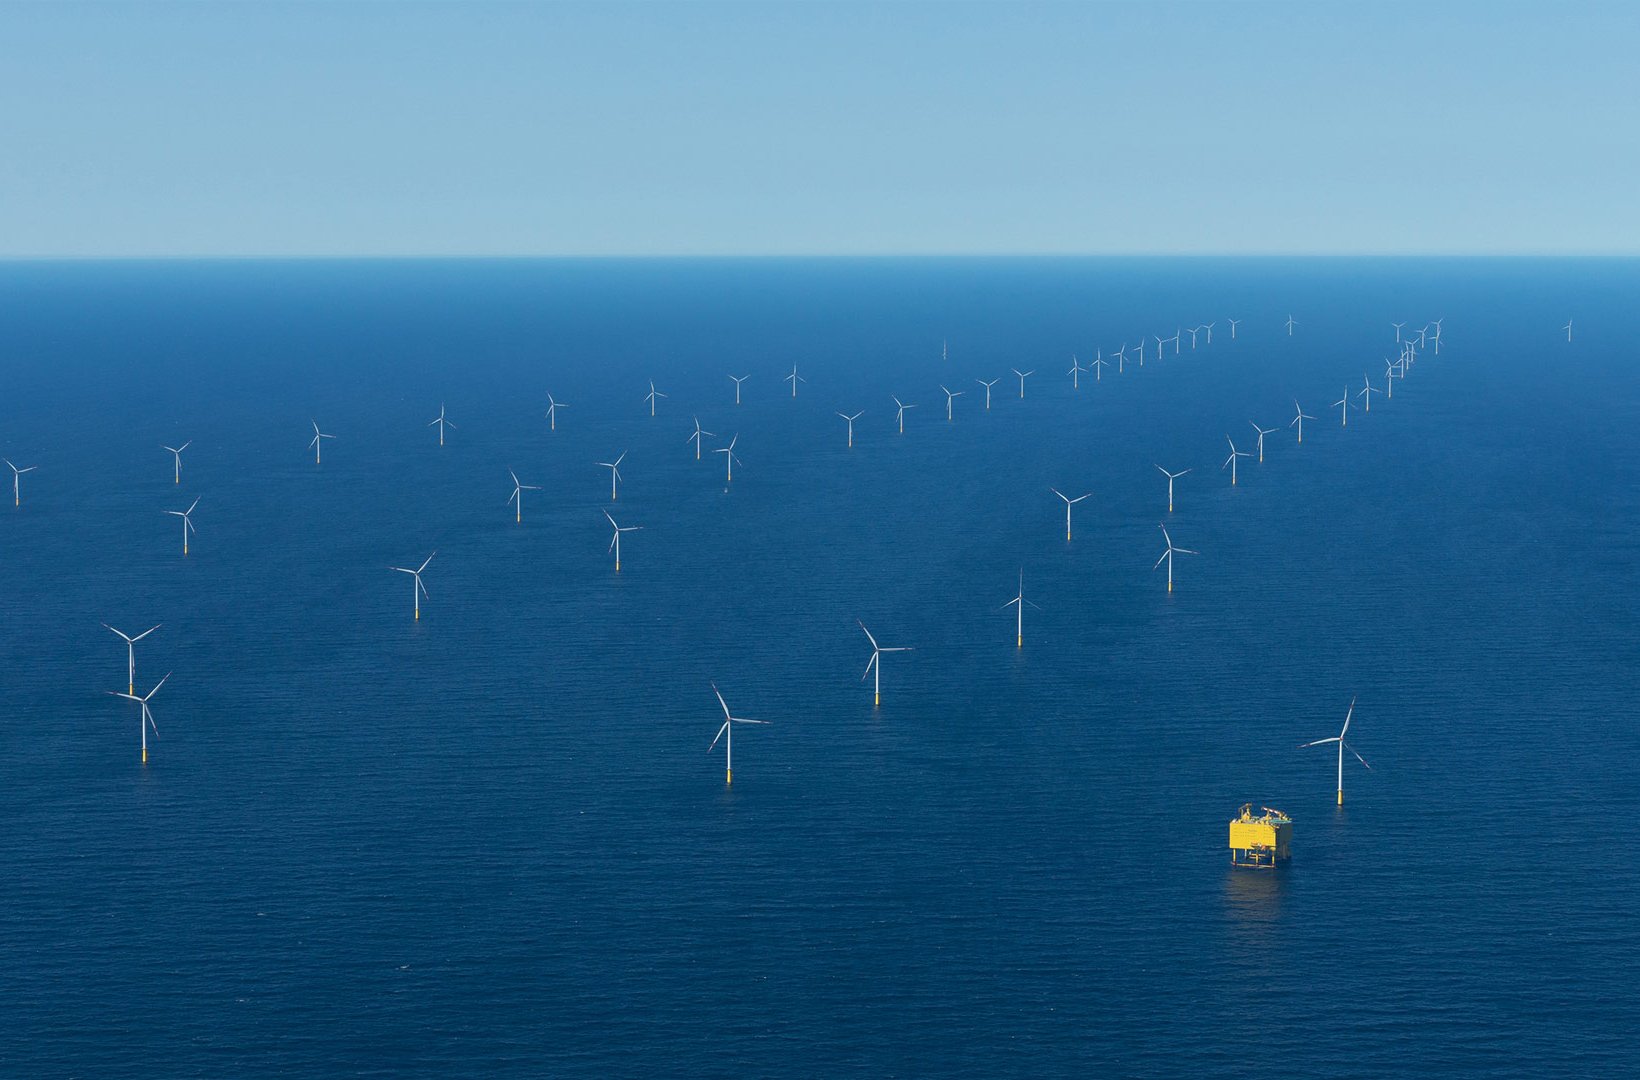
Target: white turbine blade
column 1185, row 551
column 725, row 704
column 1319, row 742
column 869, row 665
column 1347, row 717
column 608, row 518
column 745, row 719
column 157, row 685
column 868, row 634
column 1358, row 757
column 424, row 563
column 718, row 736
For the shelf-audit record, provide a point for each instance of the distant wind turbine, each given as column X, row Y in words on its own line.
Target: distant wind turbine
column 738, row 380
column 131, row 654
column 1069, row 502
column 1291, row 322
column 1019, row 602
column 187, row 523
column 1298, row 420
column 176, row 453
column 1167, row 556
column 1343, row 404
column 417, row 590
column 1171, row 476
column 146, row 719
column 615, row 541
column 1568, row 329
column 1398, row 330
column 441, row 423
column 317, row 435
column 1209, row 328
column 727, row 731
column 1367, row 392
column 1099, row 366
column 16, row 477
column 1022, row 375
column 652, row 396
column 1193, row 331
column 1233, row 324
column 794, row 378
column 614, row 468
column 875, row 664
column 899, row 417
column 696, row 437
column 987, row 386
column 1261, row 433
column 729, row 460
column 950, row 396
column 1076, row 372
column 517, row 495
column 1230, row 462
column 851, row 420
column 552, row 412
column 1342, row 746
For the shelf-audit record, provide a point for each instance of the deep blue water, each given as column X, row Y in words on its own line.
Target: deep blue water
column 494, row 841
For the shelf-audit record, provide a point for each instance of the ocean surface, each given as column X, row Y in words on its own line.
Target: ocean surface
column 494, row 842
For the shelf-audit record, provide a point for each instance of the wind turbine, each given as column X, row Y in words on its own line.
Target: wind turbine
column 1022, row 375
column 1121, row 358
column 875, row 665
column 695, row 438
column 1171, row 476
column 652, row 396
column 1160, row 347
column 729, row 460
column 1230, row 462
column 794, row 378
column 1019, row 602
column 987, row 386
column 738, row 380
column 851, row 420
column 131, row 654
column 614, row 468
column 615, row 541
column 950, row 396
column 517, row 495
column 1193, row 331
column 1367, row 392
column 1343, row 403
column 441, row 422
column 1568, row 329
column 1389, row 376
column 418, row 590
column 1291, row 322
column 16, row 487
column 728, row 730
column 1167, row 556
column 1342, row 746
column 147, row 717
column 1209, row 328
column 1298, row 420
column 1261, row 433
column 1141, row 350
column 176, row 453
column 1233, row 324
column 187, row 523
column 1069, row 502
column 899, row 417
column 1099, row 366
column 1076, row 372
column 317, row 435
column 552, row 412
column 1398, row 331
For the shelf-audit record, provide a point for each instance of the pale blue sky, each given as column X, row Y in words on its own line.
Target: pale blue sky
column 518, row 129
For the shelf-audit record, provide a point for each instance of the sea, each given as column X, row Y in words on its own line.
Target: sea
column 497, row 841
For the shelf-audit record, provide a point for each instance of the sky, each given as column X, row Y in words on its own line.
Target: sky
column 388, row 129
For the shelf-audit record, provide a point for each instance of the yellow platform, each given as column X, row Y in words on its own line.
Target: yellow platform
column 1263, row 839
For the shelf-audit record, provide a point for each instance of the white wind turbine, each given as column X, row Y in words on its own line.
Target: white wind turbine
column 899, row 417
column 1099, row 366
column 552, row 412
column 1230, row 462
column 1298, row 420
column 615, row 541
column 417, row 589
column 146, row 720
column 1389, row 376
column 131, row 654
column 738, row 379
column 1261, row 433
column 987, row 386
column 1121, row 358
column 1343, row 404
column 187, row 523
column 1398, row 330
column 695, row 438
column 517, row 495
column 1209, row 328
column 1069, row 502
column 794, row 378
column 950, row 396
column 1193, row 331
column 1141, row 351
column 1160, row 342
column 875, row 664
column 16, row 477
column 1171, row 476
column 1167, row 556
column 317, row 435
column 1076, row 372
column 728, row 731
column 729, row 460
column 1019, row 602
column 176, row 454
column 1022, row 375
column 1233, row 324
column 1367, row 392
column 440, row 422
column 1291, row 322
column 1568, row 329
column 614, row 468
column 652, row 396
column 851, row 420
column 1342, row 746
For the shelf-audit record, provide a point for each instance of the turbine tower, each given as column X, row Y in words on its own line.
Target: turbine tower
column 727, row 731
column 875, row 665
